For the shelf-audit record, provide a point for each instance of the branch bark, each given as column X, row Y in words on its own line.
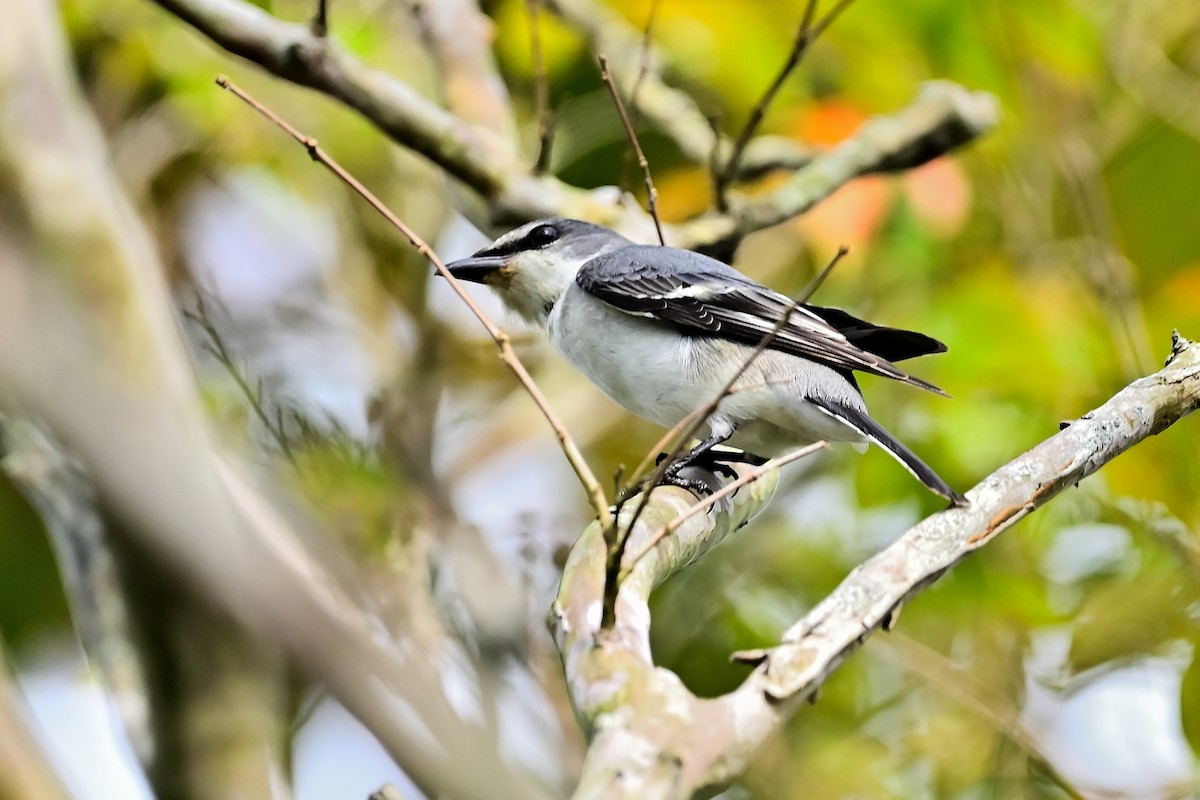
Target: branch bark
column 479, row 158
column 651, row 737
column 945, row 116
column 83, row 295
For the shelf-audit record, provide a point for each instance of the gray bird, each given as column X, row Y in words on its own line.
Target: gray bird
column 661, row 330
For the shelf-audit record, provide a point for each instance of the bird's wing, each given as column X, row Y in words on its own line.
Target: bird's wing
column 704, row 297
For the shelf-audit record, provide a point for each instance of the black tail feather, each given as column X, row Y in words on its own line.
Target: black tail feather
column 894, row 344
column 859, row 421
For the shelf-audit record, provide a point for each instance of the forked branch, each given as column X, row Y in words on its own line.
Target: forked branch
column 651, row 737
column 805, row 36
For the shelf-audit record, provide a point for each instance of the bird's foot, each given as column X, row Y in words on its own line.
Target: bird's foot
column 699, row 480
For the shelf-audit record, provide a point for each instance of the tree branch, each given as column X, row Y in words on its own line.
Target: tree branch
column 480, row 159
column 570, row 450
column 541, row 87
column 651, row 737
column 816, row 644
column 944, row 116
column 805, row 36
column 672, row 111
column 459, row 37
column 84, row 296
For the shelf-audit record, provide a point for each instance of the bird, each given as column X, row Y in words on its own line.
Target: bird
column 661, row 330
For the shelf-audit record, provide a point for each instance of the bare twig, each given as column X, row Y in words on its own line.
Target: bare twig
column 320, row 23
column 811, row 288
column 642, row 73
column 215, row 346
column 541, row 88
column 643, row 59
column 651, row 192
column 692, row 422
column 507, row 355
column 805, row 36
column 618, row 540
column 707, row 410
column 670, row 110
column 941, row 119
column 749, row 476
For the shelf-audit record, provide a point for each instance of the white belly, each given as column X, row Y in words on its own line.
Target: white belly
column 660, row 375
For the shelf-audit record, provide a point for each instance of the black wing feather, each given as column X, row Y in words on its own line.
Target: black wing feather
column 704, row 297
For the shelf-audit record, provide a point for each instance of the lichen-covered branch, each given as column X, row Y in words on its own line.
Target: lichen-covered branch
column 613, row 682
column 944, row 116
column 652, row 738
column 481, row 159
column 816, row 644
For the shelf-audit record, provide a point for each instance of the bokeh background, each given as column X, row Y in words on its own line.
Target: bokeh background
column 1054, row 256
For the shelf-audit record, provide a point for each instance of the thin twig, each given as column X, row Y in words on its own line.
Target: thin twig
column 818, row 279
column 809, row 290
column 707, row 410
column 702, row 505
column 216, row 347
column 507, row 355
column 541, row 88
column 320, row 23
column 651, row 192
column 805, row 36
column 613, row 536
column 643, row 58
column 635, row 111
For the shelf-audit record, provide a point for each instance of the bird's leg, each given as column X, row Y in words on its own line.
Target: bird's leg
column 699, row 457
column 695, row 453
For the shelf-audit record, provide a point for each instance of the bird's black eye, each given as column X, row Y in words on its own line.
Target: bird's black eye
column 543, row 235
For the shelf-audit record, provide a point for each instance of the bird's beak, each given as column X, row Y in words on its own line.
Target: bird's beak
column 476, row 268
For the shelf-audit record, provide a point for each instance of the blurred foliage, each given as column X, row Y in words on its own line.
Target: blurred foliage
column 1054, row 257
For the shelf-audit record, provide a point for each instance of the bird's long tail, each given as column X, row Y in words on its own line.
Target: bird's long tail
column 859, row 421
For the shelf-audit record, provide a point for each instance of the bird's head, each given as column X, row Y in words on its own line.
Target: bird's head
column 531, row 267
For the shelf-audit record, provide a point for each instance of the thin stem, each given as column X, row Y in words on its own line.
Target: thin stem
column 635, row 111
column 678, row 427
column 651, row 192
column 644, row 57
column 320, row 23
column 702, row 505
column 507, row 355
column 820, row 277
column 541, row 88
column 707, row 410
column 805, row 36
column 216, row 347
